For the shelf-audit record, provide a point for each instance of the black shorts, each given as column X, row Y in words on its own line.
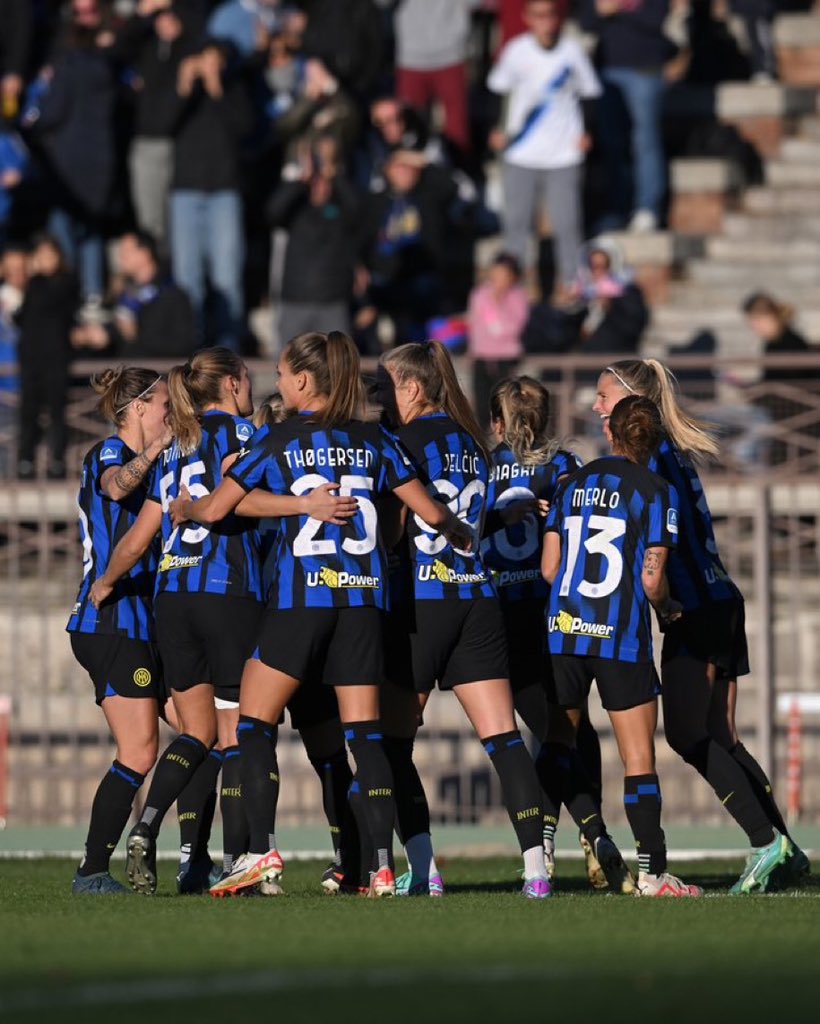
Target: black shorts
column 446, row 642
column 334, row 646
column 312, row 704
column 527, row 644
column 621, row 684
column 715, row 633
column 206, row 638
column 119, row 666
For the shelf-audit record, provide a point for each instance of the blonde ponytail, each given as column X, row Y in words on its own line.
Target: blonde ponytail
column 194, row 385
column 522, row 405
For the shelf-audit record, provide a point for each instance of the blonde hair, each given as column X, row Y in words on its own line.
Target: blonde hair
column 651, row 379
column 333, row 361
column 194, row 385
column 522, row 404
column 270, row 412
column 636, row 428
column 121, row 386
column 430, row 366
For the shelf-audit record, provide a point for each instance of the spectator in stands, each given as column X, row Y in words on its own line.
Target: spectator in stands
column 498, row 310
column 543, row 142
column 758, row 18
column 206, row 205
column 631, row 54
column 153, row 43
column 395, row 125
column 13, row 164
column 16, row 17
column 615, row 312
column 152, row 318
column 246, row 24
column 319, row 211
column 45, row 318
column 432, row 37
column 347, row 37
column 13, row 280
column 74, row 126
column 405, row 229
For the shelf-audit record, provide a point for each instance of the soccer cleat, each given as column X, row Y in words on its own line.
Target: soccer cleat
column 549, row 859
column 664, row 885
column 595, row 873
column 250, row 870
column 333, row 879
column 141, row 859
column 761, row 864
column 382, row 883
column 196, row 877
column 536, row 888
column 800, row 864
column 618, row 876
column 410, row 885
column 100, row 884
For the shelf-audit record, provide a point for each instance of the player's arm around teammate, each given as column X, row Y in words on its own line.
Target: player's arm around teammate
column 705, row 650
column 115, row 644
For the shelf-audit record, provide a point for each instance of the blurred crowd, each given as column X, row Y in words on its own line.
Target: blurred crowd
column 179, row 173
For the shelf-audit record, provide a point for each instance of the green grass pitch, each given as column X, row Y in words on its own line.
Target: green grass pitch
column 481, row 953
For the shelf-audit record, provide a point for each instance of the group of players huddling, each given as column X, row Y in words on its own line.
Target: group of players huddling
column 349, row 550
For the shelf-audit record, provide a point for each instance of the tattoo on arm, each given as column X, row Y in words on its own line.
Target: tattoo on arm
column 131, row 475
column 651, row 563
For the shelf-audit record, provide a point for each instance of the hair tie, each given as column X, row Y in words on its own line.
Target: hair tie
column 187, row 370
column 142, row 394
column 614, row 372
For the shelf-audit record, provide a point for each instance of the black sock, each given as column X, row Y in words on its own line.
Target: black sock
column 761, row 786
column 109, row 816
column 561, row 768
column 549, row 776
column 366, row 852
column 259, row 772
column 364, row 740
column 588, row 748
column 642, row 803
column 733, row 789
column 195, row 808
column 412, row 810
column 519, row 785
column 175, row 769
column 335, row 776
column 235, row 835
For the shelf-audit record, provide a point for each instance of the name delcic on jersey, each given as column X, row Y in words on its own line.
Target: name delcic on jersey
column 600, row 496
column 509, row 577
column 510, row 471
column 463, row 462
column 336, row 580
column 444, row 574
column 563, row 622
column 329, row 458
column 178, row 562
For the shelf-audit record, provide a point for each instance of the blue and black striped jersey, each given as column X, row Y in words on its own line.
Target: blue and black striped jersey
column 607, row 514
column 453, row 468
column 696, row 574
column 514, row 552
column 103, row 522
column 222, row 558
column 320, row 565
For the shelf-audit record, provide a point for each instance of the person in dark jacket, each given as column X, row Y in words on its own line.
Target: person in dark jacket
column 615, row 313
column 319, row 212
column 15, row 52
column 153, row 44
column 45, row 319
column 348, row 39
column 206, row 206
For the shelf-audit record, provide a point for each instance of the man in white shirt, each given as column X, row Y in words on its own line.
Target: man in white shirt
column 544, row 77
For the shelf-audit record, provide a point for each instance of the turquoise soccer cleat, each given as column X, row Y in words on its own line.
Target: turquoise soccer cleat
column 761, row 864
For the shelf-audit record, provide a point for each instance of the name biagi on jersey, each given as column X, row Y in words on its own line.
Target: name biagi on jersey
column 607, row 514
column 321, row 565
column 695, row 572
column 103, row 523
column 222, row 558
column 513, row 553
column 454, row 470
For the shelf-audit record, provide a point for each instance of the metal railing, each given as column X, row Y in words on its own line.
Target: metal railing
column 765, row 496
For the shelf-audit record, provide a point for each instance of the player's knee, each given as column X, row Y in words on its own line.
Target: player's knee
column 141, row 758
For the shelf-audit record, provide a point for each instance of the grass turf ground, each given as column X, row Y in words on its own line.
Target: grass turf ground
column 480, row 953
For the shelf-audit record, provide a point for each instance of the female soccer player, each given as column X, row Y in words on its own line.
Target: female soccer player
column 208, row 589
column 323, row 620
column 705, row 651
column 605, row 552
column 115, row 644
column 527, row 466
column 449, row 628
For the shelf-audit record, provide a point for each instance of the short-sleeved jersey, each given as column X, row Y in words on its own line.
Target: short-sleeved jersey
column 453, row 469
column 513, row 553
column 103, row 523
column 222, row 558
column 696, row 574
column 321, row 565
column 607, row 514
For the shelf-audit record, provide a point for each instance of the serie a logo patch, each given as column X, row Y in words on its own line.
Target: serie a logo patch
column 142, row 677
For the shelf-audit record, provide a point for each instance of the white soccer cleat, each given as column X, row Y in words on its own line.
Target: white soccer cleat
column 251, row 869
column 665, row 885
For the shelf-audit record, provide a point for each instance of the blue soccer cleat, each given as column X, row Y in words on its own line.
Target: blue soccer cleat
column 100, row 884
